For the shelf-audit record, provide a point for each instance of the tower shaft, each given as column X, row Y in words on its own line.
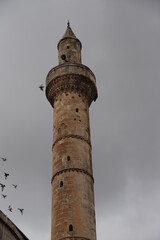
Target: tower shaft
column 70, row 88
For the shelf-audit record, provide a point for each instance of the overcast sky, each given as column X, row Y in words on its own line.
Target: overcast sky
column 121, row 45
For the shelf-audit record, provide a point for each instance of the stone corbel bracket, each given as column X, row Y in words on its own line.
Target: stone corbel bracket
column 71, row 78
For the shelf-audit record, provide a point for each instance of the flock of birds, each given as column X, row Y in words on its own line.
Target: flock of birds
column 6, row 175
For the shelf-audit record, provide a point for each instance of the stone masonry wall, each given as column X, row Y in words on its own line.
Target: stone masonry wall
column 8, row 230
column 73, row 213
column 71, row 48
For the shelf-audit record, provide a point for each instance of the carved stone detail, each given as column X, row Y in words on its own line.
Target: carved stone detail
column 71, row 136
column 71, row 83
column 74, row 238
column 72, row 169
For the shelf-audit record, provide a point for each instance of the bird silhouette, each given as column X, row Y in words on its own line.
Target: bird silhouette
column 9, row 208
column 4, row 196
column 4, row 159
column 21, row 210
column 2, row 186
column 14, row 185
column 41, row 87
column 6, row 175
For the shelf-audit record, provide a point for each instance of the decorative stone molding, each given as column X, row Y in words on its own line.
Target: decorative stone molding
column 74, row 238
column 68, row 68
column 72, row 169
column 71, row 83
column 71, row 136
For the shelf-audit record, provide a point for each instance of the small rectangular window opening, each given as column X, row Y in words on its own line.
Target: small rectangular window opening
column 71, row 228
column 61, row 184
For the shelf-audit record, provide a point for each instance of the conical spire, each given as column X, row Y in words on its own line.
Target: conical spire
column 69, row 33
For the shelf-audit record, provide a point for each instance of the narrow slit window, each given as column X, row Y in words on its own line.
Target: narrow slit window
column 61, row 184
column 71, row 228
column 68, row 158
column 77, row 110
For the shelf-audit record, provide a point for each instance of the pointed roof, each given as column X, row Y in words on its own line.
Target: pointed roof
column 68, row 34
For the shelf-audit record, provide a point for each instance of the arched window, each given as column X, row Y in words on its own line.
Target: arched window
column 68, row 158
column 61, row 184
column 70, row 228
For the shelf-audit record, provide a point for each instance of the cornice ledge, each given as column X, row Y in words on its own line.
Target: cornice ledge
column 71, row 136
column 71, row 83
column 73, row 170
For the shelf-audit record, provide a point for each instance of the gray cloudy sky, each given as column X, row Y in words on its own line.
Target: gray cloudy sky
column 121, row 45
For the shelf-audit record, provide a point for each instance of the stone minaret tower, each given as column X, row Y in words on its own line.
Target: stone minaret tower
column 71, row 88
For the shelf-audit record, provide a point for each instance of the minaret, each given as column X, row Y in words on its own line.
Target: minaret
column 71, row 88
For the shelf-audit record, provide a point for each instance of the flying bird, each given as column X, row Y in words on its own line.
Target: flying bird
column 4, row 159
column 9, row 208
column 41, row 87
column 2, row 186
column 14, row 185
column 6, row 175
column 4, row 196
column 21, row 210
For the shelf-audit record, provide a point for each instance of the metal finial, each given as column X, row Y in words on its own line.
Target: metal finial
column 68, row 23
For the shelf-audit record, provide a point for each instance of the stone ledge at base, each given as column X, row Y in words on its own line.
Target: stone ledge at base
column 74, row 238
column 8, row 230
